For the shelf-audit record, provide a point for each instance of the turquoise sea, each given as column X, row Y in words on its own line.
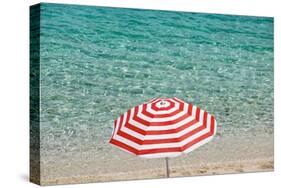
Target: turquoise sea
column 98, row 62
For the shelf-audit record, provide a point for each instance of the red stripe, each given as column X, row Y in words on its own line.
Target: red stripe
column 130, row 137
column 171, row 131
column 202, row 137
column 159, row 150
column 126, row 135
column 120, row 123
column 154, row 107
column 157, row 132
column 163, row 150
column 136, row 129
column 181, row 138
column 147, row 123
column 183, row 148
column 123, row 134
column 172, row 104
column 197, row 117
column 165, row 140
column 149, row 114
column 190, row 106
column 124, row 146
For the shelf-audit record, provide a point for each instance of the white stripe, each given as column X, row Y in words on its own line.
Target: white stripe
column 165, row 145
column 182, row 143
column 176, row 107
column 215, row 127
column 149, row 119
column 118, row 123
column 175, row 154
column 115, row 127
column 165, row 136
column 125, row 149
column 164, row 104
column 166, row 127
column 161, row 155
column 133, row 133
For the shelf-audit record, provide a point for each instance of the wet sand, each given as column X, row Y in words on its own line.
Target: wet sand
column 225, row 155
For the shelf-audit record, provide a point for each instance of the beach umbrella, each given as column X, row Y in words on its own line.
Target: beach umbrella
column 163, row 128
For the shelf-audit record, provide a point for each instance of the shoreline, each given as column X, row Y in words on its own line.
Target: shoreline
column 225, row 155
column 247, row 166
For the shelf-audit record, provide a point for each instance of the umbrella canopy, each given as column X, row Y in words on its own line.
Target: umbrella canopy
column 163, row 127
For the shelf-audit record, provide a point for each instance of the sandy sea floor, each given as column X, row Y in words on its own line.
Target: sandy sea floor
column 224, row 155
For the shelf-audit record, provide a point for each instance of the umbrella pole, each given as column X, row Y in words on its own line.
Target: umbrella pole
column 167, row 167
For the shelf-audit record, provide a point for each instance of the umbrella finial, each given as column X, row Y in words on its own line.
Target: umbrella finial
column 163, row 103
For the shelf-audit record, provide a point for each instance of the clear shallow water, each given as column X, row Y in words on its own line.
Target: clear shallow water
column 98, row 62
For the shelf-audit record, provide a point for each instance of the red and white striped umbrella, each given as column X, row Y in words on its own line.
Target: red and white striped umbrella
column 163, row 127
